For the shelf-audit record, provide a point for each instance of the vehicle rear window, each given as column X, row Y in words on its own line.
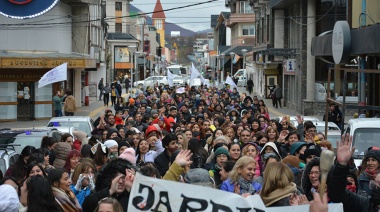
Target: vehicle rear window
column 79, row 125
column 364, row 138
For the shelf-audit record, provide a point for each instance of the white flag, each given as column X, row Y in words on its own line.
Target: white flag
column 170, row 78
column 231, row 82
column 194, row 74
column 57, row 74
column 203, row 80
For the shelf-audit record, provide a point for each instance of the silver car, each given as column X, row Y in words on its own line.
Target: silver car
column 81, row 123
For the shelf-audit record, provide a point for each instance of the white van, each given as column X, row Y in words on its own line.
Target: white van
column 365, row 133
column 241, row 75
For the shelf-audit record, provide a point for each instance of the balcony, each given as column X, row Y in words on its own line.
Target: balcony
column 237, row 18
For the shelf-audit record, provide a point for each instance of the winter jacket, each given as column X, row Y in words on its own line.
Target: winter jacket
column 338, row 192
column 363, row 184
column 92, row 201
column 228, row 185
column 82, row 194
column 162, row 162
column 58, row 102
column 62, row 150
column 70, row 104
column 174, row 172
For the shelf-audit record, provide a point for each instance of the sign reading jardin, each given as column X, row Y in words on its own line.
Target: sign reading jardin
column 22, row 9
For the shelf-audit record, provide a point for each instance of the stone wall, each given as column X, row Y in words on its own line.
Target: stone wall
column 317, row 108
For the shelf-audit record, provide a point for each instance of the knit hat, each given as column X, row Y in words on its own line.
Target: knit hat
column 131, row 100
column 311, row 149
column 152, row 112
column 8, row 198
column 123, row 143
column 110, row 143
column 171, row 120
column 222, row 138
column 129, row 154
column 296, row 146
column 292, row 160
column 199, row 176
column 221, row 150
column 372, row 154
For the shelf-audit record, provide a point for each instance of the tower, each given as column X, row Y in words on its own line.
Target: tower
column 158, row 19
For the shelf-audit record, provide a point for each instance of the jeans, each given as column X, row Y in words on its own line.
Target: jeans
column 113, row 100
column 69, row 113
column 106, row 99
column 58, row 113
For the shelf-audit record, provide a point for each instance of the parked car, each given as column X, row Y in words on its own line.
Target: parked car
column 293, row 119
column 150, row 81
column 8, row 156
column 365, row 133
column 320, row 126
column 179, row 81
column 21, row 138
column 81, row 123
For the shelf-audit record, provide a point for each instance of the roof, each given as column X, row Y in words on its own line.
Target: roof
column 214, row 20
column 225, row 14
column 237, row 50
column 120, row 36
column 158, row 12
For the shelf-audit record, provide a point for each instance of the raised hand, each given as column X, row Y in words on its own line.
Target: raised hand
column 299, row 119
column 129, row 178
column 78, row 186
column 344, row 150
column 114, row 184
column 91, row 183
column 183, row 158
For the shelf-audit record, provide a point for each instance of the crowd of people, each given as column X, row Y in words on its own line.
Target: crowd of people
column 217, row 138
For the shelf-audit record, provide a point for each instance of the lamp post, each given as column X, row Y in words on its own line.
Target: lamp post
column 222, row 68
column 244, row 52
column 131, row 50
column 151, row 64
column 217, row 67
column 136, row 66
column 232, row 54
column 144, row 68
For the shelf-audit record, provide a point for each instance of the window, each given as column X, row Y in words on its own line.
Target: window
column 248, row 29
column 245, row 8
column 118, row 27
column 159, row 24
column 118, row 6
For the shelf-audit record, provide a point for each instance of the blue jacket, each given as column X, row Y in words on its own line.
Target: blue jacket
column 82, row 194
column 228, row 185
column 363, row 182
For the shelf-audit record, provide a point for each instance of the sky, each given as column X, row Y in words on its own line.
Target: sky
column 194, row 18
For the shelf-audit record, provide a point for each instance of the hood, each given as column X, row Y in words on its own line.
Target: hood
column 305, row 182
column 273, row 145
column 237, row 112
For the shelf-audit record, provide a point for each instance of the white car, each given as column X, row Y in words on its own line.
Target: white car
column 179, row 81
column 150, row 81
column 81, row 123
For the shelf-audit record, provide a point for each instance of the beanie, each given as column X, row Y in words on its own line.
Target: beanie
column 292, row 160
column 311, row 149
column 110, row 143
column 123, row 143
column 372, row 154
column 131, row 100
column 129, row 154
column 296, row 146
column 221, row 150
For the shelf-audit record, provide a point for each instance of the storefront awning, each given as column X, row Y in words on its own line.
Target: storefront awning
column 45, row 60
column 237, row 50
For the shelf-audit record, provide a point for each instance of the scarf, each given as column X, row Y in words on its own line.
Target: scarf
column 246, row 186
column 351, row 188
column 371, row 174
column 279, row 194
column 67, row 201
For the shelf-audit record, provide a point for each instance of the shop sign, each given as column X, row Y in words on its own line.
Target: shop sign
column 289, row 66
column 23, row 9
column 43, row 63
column 341, row 42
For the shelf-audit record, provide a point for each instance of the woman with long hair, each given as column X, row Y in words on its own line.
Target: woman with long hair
column 234, row 150
column 100, row 152
column 36, row 195
column 18, row 169
column 50, row 144
column 252, row 150
column 278, row 188
column 83, row 181
column 60, row 183
column 199, row 156
column 230, row 133
column 34, row 169
column 144, row 153
column 46, row 154
column 241, row 178
column 183, row 141
column 72, row 161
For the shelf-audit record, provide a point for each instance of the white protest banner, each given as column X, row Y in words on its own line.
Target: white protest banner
column 151, row 194
column 194, row 74
column 170, row 77
column 57, row 74
column 231, row 82
column 180, row 90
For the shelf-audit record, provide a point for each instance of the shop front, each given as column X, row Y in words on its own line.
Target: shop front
column 20, row 97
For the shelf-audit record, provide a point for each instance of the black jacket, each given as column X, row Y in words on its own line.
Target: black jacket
column 162, row 162
column 92, row 200
column 338, row 193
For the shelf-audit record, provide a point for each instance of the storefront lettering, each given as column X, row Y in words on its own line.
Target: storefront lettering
column 20, row 76
column 43, row 63
column 28, row 63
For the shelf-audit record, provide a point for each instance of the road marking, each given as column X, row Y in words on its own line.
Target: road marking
column 98, row 110
column 275, row 112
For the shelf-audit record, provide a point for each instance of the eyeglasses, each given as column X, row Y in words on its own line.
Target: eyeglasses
column 314, row 173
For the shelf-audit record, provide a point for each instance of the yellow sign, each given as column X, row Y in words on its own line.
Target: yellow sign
column 46, row 63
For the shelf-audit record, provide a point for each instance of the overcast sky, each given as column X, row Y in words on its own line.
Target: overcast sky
column 194, row 18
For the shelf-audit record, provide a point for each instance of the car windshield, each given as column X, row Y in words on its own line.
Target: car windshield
column 364, row 138
column 178, row 77
column 22, row 139
column 79, row 125
column 322, row 128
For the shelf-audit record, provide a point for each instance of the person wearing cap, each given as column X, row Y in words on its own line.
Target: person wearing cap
column 242, row 176
column 311, row 151
column 131, row 106
column 370, row 167
column 112, row 145
column 297, row 149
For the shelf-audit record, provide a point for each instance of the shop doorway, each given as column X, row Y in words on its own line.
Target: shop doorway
column 270, row 82
column 25, row 94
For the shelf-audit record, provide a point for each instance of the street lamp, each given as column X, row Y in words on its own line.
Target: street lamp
column 222, row 71
column 232, row 54
column 217, row 67
column 136, row 66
